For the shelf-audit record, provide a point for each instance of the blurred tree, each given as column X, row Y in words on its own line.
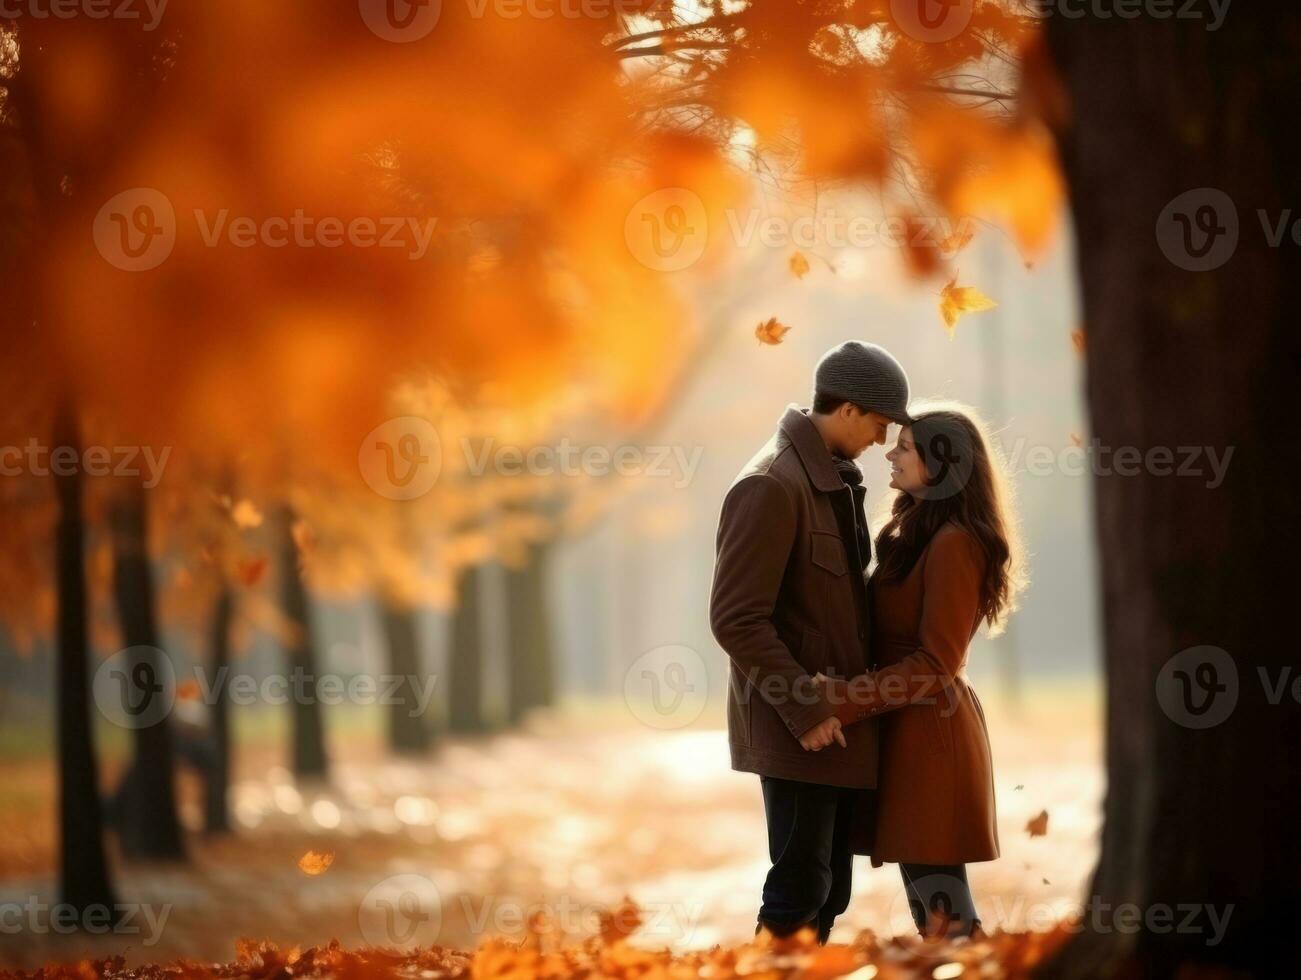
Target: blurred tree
column 409, row 730
column 466, row 711
column 532, row 681
column 146, row 821
column 216, row 809
column 310, row 760
column 83, row 868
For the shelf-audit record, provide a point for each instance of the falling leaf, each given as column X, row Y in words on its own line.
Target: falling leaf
column 250, row 571
column 799, row 265
column 1038, row 826
column 1019, row 786
column 315, row 862
column 1076, row 440
column 246, row 515
column 1077, row 338
column 1047, row 882
column 771, row 331
column 956, row 300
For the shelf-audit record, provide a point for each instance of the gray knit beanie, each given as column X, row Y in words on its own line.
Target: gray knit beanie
column 866, row 375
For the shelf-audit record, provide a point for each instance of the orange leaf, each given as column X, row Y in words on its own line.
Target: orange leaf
column 1077, row 338
column 799, row 265
column 771, row 331
column 250, row 571
column 1038, row 826
column 315, row 862
column 956, row 300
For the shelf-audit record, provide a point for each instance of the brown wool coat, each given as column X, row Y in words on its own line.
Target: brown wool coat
column 788, row 602
column 935, row 789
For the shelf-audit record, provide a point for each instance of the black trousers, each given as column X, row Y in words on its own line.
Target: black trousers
column 808, row 844
column 939, row 899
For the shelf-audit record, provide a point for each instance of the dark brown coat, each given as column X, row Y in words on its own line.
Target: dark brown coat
column 935, row 791
column 788, row 601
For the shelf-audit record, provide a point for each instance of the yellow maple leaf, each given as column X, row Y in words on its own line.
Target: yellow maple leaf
column 956, row 300
column 799, row 265
column 771, row 331
column 315, row 862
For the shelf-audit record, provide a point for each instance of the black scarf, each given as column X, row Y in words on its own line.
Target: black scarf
column 853, row 477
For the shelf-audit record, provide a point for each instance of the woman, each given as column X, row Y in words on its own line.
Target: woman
column 947, row 563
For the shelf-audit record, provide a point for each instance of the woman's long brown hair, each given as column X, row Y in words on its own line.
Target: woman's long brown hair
column 964, row 485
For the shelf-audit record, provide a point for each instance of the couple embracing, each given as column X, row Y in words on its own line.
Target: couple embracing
column 847, row 692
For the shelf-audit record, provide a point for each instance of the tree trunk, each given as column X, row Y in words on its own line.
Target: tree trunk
column 216, row 811
column 83, row 869
column 310, row 760
column 531, row 652
column 1204, row 783
column 148, row 823
column 465, row 711
column 408, row 729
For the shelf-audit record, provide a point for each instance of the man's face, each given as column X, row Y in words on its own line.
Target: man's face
column 860, row 430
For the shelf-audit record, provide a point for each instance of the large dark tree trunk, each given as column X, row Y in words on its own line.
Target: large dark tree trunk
column 216, row 811
column 408, row 726
column 529, row 646
column 83, row 869
column 309, row 757
column 147, row 824
column 1204, row 780
column 465, row 708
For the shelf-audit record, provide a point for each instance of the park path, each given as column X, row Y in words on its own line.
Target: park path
column 566, row 819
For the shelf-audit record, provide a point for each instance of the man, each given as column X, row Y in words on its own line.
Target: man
column 789, row 601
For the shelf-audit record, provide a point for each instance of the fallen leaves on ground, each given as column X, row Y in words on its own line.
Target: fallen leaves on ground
column 540, row 956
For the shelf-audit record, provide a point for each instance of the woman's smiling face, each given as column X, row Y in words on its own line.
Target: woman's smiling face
column 907, row 471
